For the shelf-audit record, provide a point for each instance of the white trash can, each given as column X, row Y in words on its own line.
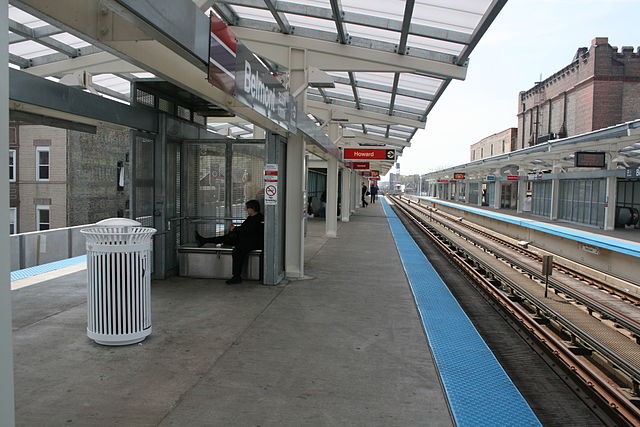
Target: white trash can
column 118, row 281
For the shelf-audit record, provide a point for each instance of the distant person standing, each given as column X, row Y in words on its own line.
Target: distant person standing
column 374, row 192
column 365, row 192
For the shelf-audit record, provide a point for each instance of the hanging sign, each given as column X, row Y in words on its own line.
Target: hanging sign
column 513, row 178
column 374, row 178
column 271, row 184
column 235, row 70
column 632, row 172
column 375, row 173
column 368, row 154
column 458, row 175
column 590, row 159
column 491, row 178
column 360, row 165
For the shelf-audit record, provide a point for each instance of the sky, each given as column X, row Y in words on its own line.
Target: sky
column 528, row 39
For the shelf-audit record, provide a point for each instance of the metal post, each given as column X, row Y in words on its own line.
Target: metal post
column 295, row 176
column 7, row 405
column 345, row 203
column 274, row 216
column 160, row 205
column 610, row 199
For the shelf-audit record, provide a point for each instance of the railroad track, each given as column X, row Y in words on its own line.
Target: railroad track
column 604, row 362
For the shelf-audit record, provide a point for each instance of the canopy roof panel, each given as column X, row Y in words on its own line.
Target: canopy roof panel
column 417, row 47
column 443, row 31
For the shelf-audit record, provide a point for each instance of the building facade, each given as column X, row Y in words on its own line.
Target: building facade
column 600, row 88
column 498, row 143
column 61, row 178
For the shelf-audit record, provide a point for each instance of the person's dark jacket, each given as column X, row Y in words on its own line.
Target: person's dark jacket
column 250, row 233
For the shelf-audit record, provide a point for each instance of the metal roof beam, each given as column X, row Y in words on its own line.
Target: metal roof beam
column 337, row 14
column 406, row 22
column 56, row 57
column 360, row 54
column 358, row 19
column 282, row 21
column 19, row 61
column 225, row 13
column 491, row 13
column 49, row 42
column 96, row 63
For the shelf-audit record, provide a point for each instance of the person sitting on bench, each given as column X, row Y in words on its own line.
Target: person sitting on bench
column 244, row 238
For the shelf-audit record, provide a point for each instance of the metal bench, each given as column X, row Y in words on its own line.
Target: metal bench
column 211, row 262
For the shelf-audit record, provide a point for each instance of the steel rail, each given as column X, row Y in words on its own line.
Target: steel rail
column 613, row 399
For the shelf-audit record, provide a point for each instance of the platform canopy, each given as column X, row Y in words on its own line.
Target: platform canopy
column 389, row 61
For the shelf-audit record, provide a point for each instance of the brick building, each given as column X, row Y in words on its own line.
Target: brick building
column 498, row 143
column 600, row 88
column 61, row 178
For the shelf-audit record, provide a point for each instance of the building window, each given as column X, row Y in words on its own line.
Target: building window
column 12, row 165
column 42, row 163
column 42, row 218
column 482, row 153
column 13, row 229
column 491, row 150
column 504, row 146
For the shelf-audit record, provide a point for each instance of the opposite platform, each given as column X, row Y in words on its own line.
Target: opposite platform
column 344, row 347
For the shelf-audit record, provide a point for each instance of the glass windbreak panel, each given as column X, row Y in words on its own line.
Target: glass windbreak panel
column 144, row 181
column 582, row 201
column 247, row 177
column 204, row 187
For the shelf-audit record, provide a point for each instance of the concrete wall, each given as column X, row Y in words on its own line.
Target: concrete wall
column 92, row 176
column 41, row 247
column 615, row 263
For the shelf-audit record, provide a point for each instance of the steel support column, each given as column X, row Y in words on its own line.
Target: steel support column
column 273, row 271
column 611, row 201
column 354, row 191
column 295, row 176
column 331, row 215
column 555, row 199
column 7, row 404
column 331, row 212
column 160, row 196
column 345, row 202
column 497, row 195
column 522, row 191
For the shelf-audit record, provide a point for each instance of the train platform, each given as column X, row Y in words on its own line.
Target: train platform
column 578, row 232
column 343, row 347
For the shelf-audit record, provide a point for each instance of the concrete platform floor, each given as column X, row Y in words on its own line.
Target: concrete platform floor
column 343, row 347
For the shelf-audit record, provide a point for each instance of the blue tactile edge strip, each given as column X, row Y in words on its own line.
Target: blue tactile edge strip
column 625, row 247
column 44, row 268
column 478, row 390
